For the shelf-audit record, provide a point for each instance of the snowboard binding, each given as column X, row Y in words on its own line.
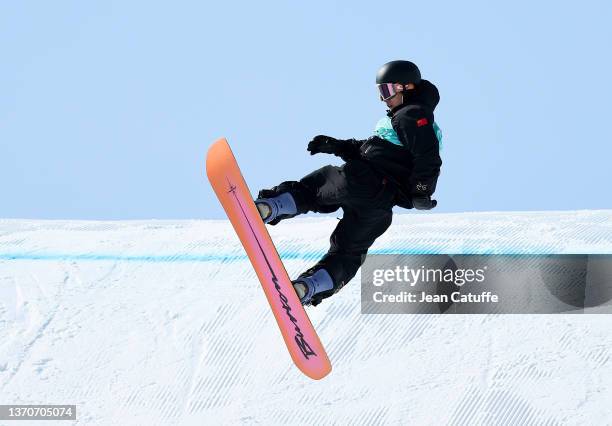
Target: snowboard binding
column 274, row 206
column 313, row 286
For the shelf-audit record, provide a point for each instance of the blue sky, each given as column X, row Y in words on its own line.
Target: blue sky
column 107, row 107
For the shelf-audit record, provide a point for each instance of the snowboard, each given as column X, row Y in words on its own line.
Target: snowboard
column 298, row 333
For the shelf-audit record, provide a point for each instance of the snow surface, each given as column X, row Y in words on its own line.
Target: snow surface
column 163, row 323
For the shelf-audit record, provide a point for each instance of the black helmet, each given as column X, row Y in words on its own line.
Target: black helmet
column 403, row 72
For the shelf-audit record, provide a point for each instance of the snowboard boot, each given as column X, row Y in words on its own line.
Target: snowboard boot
column 276, row 208
column 311, row 288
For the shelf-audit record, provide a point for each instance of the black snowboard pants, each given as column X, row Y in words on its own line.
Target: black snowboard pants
column 366, row 199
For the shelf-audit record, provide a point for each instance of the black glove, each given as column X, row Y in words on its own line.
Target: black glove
column 421, row 195
column 325, row 144
column 345, row 149
column 423, row 202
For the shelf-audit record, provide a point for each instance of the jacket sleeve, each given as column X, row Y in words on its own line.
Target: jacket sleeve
column 350, row 148
column 415, row 130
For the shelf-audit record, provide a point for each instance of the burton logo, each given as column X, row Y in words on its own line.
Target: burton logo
column 304, row 346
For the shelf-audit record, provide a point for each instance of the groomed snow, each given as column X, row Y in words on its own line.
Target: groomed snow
column 164, row 322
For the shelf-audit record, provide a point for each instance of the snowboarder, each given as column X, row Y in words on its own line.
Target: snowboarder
column 399, row 165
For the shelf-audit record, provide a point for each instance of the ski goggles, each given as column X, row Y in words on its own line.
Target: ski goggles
column 386, row 90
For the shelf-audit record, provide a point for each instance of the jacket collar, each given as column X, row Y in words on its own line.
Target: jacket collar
column 410, row 99
column 425, row 94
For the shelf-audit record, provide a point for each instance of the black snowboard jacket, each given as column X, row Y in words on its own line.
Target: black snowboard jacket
column 414, row 166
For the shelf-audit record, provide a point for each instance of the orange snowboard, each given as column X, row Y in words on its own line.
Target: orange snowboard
column 300, row 337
